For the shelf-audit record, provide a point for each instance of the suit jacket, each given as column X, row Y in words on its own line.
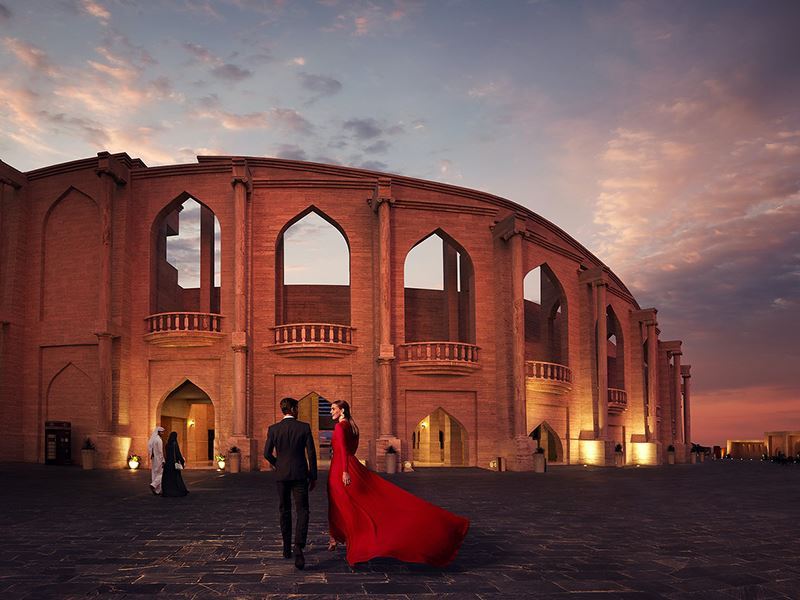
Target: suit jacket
column 292, row 439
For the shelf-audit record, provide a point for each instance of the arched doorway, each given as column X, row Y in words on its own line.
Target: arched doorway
column 189, row 412
column 439, row 440
column 547, row 438
column 316, row 411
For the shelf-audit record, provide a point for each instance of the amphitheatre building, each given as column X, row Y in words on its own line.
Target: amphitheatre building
column 100, row 339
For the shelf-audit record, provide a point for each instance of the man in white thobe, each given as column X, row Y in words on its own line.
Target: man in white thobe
column 155, row 448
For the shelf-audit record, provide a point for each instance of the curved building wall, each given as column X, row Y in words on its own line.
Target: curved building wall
column 82, row 259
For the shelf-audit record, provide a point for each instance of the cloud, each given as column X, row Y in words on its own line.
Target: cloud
column 298, row 60
column 371, row 18
column 96, row 10
column 363, row 129
column 220, row 69
column 230, row 72
column 31, row 56
column 374, row 165
column 5, row 14
column 378, row 147
column 320, row 85
column 210, row 107
column 291, row 152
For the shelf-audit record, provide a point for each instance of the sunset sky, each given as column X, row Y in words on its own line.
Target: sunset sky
column 664, row 136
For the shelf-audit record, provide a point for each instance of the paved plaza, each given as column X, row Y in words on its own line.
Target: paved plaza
column 706, row 531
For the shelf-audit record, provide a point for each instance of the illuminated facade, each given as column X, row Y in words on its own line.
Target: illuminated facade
column 97, row 332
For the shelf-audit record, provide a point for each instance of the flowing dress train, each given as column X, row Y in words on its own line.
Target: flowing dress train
column 376, row 518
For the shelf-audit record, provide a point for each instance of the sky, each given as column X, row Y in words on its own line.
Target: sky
column 664, row 136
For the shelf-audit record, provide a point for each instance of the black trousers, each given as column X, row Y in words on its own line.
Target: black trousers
column 298, row 490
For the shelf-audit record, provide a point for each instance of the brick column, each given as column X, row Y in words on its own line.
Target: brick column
column 109, row 180
column 677, row 398
column 518, row 335
column 686, row 374
column 206, row 259
column 450, row 281
column 239, row 341
column 652, row 379
column 602, row 358
column 382, row 204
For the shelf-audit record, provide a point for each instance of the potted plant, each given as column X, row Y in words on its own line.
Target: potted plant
column 220, row 458
column 133, row 461
column 619, row 457
column 391, row 460
column 670, row 454
column 693, row 455
column 235, row 459
column 88, row 451
column 539, row 460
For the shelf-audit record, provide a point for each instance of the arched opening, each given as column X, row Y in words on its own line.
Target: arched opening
column 547, row 438
column 439, row 440
column 439, row 291
column 615, row 351
column 545, row 317
column 312, row 271
column 186, row 255
column 188, row 411
column 316, row 411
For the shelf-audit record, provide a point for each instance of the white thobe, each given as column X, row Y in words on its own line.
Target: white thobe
column 156, row 449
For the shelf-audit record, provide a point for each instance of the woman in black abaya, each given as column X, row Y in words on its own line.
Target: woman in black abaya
column 172, row 482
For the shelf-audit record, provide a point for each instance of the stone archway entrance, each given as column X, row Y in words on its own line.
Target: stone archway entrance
column 315, row 410
column 548, row 439
column 189, row 412
column 439, row 440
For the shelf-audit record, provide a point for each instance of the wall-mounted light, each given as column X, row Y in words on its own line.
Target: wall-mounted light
column 191, row 422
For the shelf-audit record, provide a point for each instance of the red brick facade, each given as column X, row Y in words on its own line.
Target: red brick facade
column 82, row 274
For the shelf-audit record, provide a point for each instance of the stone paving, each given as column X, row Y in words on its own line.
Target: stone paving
column 706, row 531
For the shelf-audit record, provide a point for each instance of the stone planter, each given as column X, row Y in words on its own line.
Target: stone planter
column 87, row 459
column 539, row 462
column 234, row 462
column 619, row 459
column 391, row 463
column 702, row 457
column 693, row 458
column 670, row 458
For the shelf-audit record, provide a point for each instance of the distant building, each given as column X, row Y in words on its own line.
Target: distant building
column 787, row 442
column 96, row 331
column 746, row 449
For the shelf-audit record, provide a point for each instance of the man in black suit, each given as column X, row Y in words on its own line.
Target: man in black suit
column 295, row 475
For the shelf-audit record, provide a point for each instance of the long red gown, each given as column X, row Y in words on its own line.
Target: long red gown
column 376, row 518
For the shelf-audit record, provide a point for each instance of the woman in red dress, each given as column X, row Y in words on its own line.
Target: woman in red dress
column 376, row 518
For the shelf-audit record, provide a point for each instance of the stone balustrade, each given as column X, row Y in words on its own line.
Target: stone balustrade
column 548, row 377
column 313, row 339
column 617, row 400
column 175, row 329
column 439, row 358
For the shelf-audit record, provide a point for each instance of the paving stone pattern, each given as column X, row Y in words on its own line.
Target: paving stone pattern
column 708, row 531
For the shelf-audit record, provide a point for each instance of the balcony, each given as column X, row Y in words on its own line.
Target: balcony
column 311, row 340
column 183, row 329
column 547, row 377
column 439, row 358
column 617, row 401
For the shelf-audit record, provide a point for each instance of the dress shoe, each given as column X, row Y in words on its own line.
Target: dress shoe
column 299, row 559
column 152, row 489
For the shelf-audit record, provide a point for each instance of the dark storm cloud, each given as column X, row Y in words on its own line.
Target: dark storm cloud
column 5, row 14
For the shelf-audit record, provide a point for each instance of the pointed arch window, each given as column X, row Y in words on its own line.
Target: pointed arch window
column 312, row 287
column 185, row 290
column 439, row 301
